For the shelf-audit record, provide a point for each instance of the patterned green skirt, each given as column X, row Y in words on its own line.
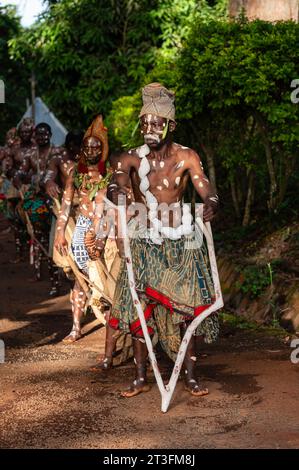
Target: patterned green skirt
column 174, row 284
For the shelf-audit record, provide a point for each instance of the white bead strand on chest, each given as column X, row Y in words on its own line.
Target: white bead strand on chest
column 157, row 229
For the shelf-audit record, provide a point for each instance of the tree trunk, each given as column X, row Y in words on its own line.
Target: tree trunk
column 209, row 153
column 272, row 203
column 249, row 199
column 290, row 165
column 211, row 167
column 234, row 197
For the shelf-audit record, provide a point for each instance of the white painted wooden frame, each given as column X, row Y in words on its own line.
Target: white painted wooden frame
column 168, row 389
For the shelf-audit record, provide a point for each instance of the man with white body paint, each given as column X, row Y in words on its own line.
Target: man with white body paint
column 60, row 166
column 88, row 180
column 172, row 277
column 36, row 204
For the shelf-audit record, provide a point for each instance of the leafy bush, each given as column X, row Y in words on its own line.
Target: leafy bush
column 256, row 280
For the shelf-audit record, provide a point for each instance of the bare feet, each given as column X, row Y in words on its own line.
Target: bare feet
column 195, row 389
column 72, row 337
column 138, row 386
column 105, row 363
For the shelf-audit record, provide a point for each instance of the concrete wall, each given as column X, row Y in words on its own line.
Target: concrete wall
column 269, row 10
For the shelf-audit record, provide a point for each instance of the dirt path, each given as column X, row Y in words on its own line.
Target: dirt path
column 50, row 399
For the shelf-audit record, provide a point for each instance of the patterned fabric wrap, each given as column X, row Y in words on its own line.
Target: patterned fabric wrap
column 78, row 246
column 174, row 284
column 37, row 207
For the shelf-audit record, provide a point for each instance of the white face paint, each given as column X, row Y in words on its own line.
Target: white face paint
column 177, row 180
column 152, row 129
column 148, row 138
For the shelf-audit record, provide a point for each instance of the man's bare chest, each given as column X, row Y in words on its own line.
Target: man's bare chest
column 20, row 154
column 166, row 174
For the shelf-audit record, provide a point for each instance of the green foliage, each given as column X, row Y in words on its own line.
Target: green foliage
column 122, row 121
column 236, row 322
column 175, row 19
column 235, row 87
column 240, row 323
column 87, row 53
column 256, row 279
column 232, row 81
column 12, row 72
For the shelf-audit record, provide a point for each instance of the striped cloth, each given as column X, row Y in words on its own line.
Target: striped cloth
column 78, row 246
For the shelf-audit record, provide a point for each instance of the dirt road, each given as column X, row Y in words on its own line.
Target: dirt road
column 50, row 399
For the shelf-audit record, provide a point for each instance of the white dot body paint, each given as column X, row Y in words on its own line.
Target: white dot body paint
column 162, row 164
column 177, row 180
column 166, row 182
column 180, row 165
column 159, row 188
column 119, row 165
column 154, row 163
column 196, row 177
column 200, row 184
